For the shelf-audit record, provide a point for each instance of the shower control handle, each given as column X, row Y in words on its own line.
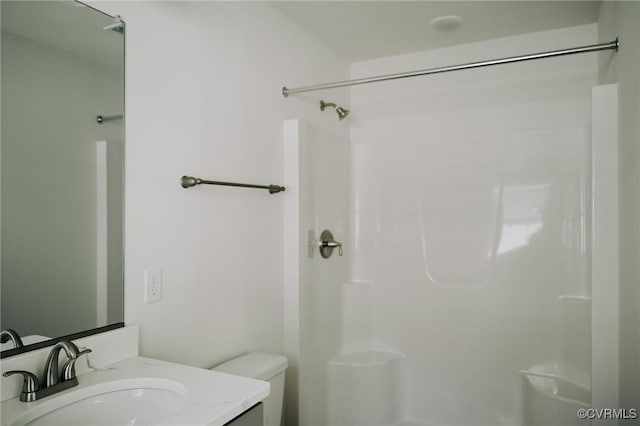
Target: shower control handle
column 331, row 244
column 328, row 244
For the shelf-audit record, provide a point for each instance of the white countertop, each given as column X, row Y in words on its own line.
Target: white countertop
column 212, row 398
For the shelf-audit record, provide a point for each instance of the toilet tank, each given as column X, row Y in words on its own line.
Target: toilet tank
column 262, row 366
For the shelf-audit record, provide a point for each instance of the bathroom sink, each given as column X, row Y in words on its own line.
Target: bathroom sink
column 124, row 402
column 138, row 391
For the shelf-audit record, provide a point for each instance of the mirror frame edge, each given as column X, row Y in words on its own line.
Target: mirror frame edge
column 73, row 336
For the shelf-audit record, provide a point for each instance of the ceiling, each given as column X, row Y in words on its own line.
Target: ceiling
column 360, row 30
column 356, row 30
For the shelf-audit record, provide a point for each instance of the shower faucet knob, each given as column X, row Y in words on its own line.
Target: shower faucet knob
column 328, row 244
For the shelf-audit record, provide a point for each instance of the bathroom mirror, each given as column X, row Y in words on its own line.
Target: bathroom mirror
column 61, row 172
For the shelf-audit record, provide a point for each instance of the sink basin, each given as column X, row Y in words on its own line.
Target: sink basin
column 136, row 391
column 123, row 402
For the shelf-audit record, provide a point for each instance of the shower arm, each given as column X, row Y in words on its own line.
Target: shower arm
column 324, row 104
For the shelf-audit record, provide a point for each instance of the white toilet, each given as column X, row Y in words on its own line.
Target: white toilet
column 262, row 366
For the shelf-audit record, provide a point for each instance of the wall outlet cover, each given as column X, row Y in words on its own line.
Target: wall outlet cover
column 152, row 285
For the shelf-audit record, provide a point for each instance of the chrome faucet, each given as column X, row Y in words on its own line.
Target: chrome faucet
column 50, row 377
column 52, row 382
column 9, row 335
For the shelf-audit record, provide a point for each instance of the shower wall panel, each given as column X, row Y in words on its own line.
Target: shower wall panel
column 471, row 210
column 317, row 198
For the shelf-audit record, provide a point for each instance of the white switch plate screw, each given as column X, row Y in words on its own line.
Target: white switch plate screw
column 152, row 285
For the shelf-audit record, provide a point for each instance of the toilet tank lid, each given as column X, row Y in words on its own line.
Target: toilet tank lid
column 257, row 365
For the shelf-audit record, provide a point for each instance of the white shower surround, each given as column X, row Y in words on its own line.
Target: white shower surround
column 468, row 288
column 316, row 174
column 471, row 214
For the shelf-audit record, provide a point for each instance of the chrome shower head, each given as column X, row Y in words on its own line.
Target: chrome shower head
column 342, row 112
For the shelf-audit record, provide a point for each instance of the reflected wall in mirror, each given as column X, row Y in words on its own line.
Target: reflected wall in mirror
column 61, row 170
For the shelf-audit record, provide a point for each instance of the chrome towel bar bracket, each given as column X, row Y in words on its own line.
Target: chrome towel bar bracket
column 104, row 118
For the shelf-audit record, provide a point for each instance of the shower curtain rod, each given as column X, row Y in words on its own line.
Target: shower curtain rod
column 613, row 45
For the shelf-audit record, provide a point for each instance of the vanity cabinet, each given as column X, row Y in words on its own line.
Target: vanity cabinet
column 252, row 417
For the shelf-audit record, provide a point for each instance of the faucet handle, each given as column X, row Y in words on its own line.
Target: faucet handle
column 30, row 384
column 69, row 368
column 83, row 352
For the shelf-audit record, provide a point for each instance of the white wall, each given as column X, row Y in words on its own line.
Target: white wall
column 470, row 209
column 620, row 19
column 203, row 98
column 50, row 98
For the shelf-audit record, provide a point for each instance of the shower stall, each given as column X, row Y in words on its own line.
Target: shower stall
column 475, row 213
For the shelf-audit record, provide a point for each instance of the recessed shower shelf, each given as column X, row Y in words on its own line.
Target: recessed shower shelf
column 189, row 181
